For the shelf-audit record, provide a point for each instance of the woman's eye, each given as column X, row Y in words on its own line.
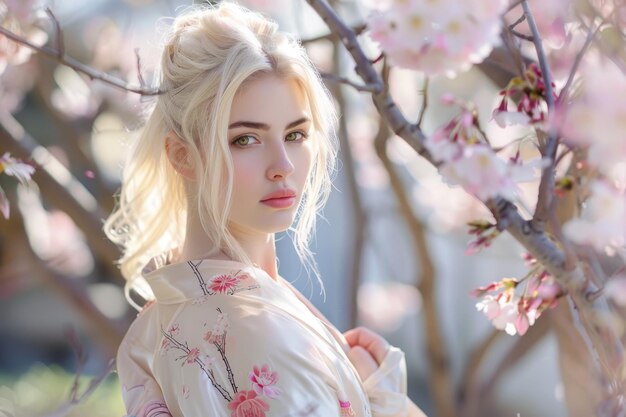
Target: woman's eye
column 295, row 136
column 243, row 140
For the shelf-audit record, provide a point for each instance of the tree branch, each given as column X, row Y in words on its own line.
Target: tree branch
column 72, row 198
column 332, row 36
column 533, row 238
column 546, row 185
column 343, row 80
column 92, row 73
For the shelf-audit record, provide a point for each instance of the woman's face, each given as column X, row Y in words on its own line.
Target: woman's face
column 272, row 152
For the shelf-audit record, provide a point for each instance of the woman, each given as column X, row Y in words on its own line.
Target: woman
column 238, row 147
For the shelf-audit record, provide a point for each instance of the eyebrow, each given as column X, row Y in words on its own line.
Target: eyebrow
column 263, row 126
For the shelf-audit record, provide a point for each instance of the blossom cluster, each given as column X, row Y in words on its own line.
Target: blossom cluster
column 446, row 36
column 529, row 91
column 513, row 312
column 468, row 160
column 485, row 233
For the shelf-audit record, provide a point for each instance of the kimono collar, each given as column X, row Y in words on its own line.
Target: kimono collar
column 195, row 279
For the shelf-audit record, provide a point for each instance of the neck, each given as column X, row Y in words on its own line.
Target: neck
column 260, row 247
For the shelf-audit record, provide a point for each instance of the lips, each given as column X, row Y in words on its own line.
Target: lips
column 285, row 193
column 280, row 199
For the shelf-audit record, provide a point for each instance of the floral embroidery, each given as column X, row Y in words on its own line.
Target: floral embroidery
column 154, row 409
column 227, row 284
column 192, row 355
column 246, row 404
column 346, row 409
column 223, row 284
column 173, row 330
column 262, row 381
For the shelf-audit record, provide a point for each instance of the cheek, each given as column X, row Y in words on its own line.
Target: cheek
column 305, row 159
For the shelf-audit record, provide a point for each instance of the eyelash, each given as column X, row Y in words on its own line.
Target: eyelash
column 303, row 137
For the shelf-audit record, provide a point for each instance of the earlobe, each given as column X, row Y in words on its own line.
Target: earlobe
column 178, row 155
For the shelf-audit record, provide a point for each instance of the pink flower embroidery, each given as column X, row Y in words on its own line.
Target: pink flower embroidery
column 173, row 330
column 262, row 380
column 246, row 404
column 155, row 408
column 223, row 284
column 192, row 355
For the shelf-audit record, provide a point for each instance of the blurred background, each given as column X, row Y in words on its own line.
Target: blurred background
column 390, row 245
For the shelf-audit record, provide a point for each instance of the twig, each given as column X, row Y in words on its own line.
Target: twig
column 424, row 103
column 591, row 34
column 344, row 80
column 546, row 185
column 58, row 33
column 521, row 35
column 92, row 73
column 358, row 29
column 382, row 100
column 517, row 22
column 139, row 75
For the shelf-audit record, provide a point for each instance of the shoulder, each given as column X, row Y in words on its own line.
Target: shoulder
column 141, row 332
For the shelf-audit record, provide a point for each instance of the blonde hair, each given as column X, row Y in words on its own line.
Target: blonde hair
column 210, row 53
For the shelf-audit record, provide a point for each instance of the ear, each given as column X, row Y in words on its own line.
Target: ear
column 178, row 155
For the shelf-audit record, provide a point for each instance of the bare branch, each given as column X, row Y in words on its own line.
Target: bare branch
column 344, row 80
column 521, row 35
column 70, row 196
column 139, row 75
column 546, row 185
column 591, row 34
column 517, row 22
column 358, row 29
column 92, row 73
column 58, row 33
column 424, row 103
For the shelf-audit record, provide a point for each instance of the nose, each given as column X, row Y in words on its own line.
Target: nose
column 280, row 166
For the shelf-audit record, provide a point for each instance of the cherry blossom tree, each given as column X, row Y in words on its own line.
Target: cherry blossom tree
column 561, row 82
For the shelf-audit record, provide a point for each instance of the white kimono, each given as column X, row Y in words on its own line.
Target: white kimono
column 225, row 339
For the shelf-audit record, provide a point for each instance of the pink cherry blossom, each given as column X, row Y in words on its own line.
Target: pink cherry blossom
column 223, row 284
column 246, row 404
column 595, row 119
column 507, row 317
column 174, row 329
column 16, row 168
column 489, row 306
column 437, row 37
column 481, row 172
column 263, row 379
column 515, row 313
column 192, row 355
column 602, row 223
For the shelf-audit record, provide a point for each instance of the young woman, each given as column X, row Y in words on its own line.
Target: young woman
column 238, row 147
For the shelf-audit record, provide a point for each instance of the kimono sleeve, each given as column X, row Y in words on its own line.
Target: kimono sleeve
column 243, row 359
column 386, row 387
column 141, row 394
